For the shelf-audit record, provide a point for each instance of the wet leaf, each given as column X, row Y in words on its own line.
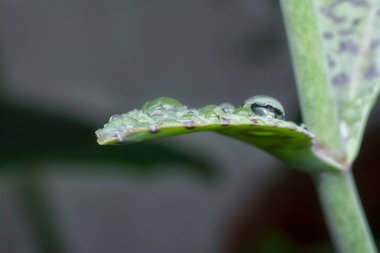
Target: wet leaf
column 167, row 117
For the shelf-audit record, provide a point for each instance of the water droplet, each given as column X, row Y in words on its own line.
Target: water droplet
column 263, row 112
column 243, row 111
column 113, row 117
column 162, row 115
column 153, row 129
column 189, row 124
column 189, row 115
column 162, row 104
column 265, row 106
column 121, row 128
column 130, row 122
column 227, row 108
column 212, row 112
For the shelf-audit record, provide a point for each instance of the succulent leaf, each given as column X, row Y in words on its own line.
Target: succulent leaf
column 167, row 117
column 336, row 54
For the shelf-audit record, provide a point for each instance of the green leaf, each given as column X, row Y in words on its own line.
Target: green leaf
column 351, row 38
column 336, row 53
column 257, row 122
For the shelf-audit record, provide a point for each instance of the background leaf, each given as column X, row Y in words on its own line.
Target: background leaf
column 44, row 137
column 336, row 48
column 351, row 39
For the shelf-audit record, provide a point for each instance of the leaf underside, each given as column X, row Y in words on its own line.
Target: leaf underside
column 285, row 140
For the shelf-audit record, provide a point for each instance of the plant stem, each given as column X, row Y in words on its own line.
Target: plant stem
column 343, row 212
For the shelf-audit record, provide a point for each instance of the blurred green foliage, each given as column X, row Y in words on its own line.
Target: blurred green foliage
column 30, row 138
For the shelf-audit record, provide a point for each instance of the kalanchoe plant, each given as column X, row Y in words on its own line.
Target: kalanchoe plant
column 335, row 47
column 259, row 121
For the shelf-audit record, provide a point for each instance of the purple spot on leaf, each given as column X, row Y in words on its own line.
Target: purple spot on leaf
column 330, row 62
column 372, row 73
column 332, row 16
column 335, row 3
column 346, row 32
column 359, row 2
column 340, row 79
column 327, row 35
column 225, row 121
column 189, row 124
column 375, row 44
column 356, row 21
column 348, row 46
column 153, row 129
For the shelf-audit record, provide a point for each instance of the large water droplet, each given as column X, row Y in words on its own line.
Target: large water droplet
column 163, row 108
column 265, row 106
column 263, row 112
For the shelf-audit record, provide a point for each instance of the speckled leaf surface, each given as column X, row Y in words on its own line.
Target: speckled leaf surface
column 350, row 31
column 336, row 50
column 164, row 117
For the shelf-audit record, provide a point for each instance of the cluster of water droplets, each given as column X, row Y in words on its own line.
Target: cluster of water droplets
column 166, row 112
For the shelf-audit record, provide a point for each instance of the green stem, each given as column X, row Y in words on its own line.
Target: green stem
column 39, row 215
column 343, row 212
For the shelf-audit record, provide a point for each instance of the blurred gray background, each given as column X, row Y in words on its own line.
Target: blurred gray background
column 89, row 59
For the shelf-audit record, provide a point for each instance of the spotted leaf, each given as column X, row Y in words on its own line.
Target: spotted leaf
column 167, row 117
column 336, row 52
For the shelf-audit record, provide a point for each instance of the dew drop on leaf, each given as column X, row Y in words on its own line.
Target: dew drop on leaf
column 130, row 122
column 162, row 104
column 188, row 115
column 153, row 129
column 265, row 106
column 113, row 117
column 189, row 124
column 212, row 111
column 243, row 111
column 227, row 108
